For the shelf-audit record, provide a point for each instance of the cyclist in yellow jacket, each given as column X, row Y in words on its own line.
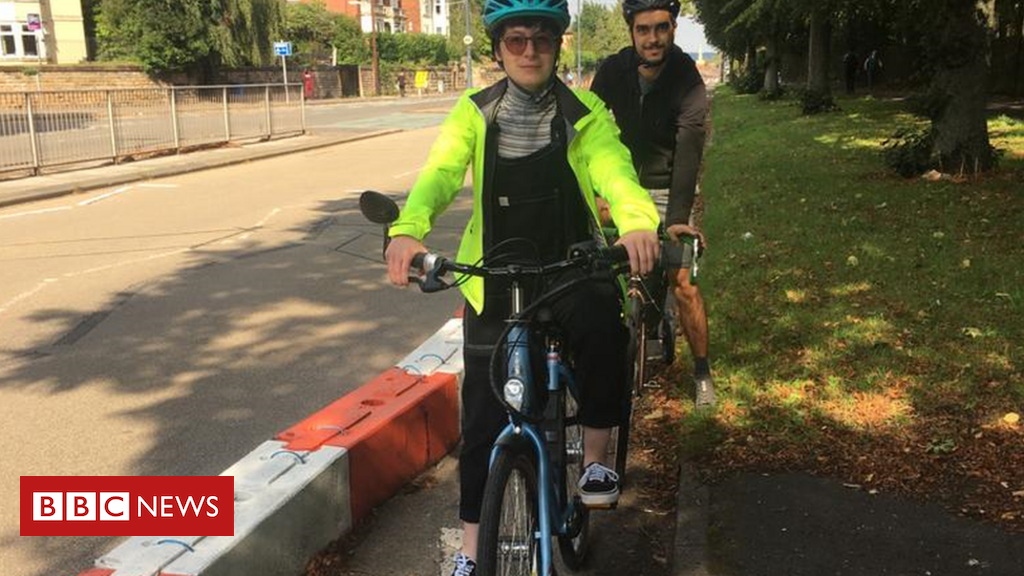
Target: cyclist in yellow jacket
column 537, row 150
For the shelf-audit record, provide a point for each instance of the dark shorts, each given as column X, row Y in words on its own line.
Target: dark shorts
column 677, row 254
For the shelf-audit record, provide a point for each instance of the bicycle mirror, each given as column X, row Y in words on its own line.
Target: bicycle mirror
column 378, row 208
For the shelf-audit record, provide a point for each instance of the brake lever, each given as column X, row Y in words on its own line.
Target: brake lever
column 431, row 281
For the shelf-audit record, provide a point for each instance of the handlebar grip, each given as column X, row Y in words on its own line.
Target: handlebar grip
column 417, row 260
column 617, row 254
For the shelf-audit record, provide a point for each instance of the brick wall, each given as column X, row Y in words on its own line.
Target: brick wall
column 30, row 78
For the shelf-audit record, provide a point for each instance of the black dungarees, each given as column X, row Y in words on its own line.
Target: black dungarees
column 537, row 198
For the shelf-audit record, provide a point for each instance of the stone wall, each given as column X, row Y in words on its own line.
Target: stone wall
column 329, row 82
column 32, row 78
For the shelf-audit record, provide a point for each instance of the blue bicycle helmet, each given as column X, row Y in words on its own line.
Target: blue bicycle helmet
column 497, row 11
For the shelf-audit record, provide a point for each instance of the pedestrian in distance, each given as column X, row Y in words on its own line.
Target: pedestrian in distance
column 872, row 67
column 851, row 63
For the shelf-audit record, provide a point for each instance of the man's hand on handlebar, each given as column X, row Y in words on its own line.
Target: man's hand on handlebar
column 399, row 256
column 643, row 248
column 675, row 231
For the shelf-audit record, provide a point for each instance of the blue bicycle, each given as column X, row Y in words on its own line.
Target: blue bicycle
column 531, row 497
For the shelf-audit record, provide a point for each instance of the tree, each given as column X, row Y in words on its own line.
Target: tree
column 957, row 36
column 457, row 29
column 312, row 30
column 349, row 41
column 412, row 48
column 187, row 35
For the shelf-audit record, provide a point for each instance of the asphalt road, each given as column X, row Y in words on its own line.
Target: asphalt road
column 168, row 327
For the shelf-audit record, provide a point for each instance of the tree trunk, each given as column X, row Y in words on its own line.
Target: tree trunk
column 817, row 55
column 750, row 61
column 1018, row 61
column 961, row 129
column 771, row 71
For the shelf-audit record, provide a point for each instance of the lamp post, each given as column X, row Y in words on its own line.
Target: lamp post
column 579, row 43
column 373, row 49
column 469, row 50
column 373, row 44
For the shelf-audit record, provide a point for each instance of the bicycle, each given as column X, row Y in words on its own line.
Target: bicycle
column 529, row 497
column 646, row 311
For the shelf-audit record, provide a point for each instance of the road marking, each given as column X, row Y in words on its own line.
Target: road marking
column 449, row 543
column 267, row 218
column 120, row 190
column 404, row 174
column 27, row 294
column 32, row 212
column 126, row 263
column 157, row 185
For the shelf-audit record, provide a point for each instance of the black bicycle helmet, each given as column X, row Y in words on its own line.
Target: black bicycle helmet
column 631, row 8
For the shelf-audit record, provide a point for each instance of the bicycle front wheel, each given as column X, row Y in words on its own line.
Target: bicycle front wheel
column 508, row 518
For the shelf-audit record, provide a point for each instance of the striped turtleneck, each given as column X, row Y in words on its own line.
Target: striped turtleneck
column 524, row 120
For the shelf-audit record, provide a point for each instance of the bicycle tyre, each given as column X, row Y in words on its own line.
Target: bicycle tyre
column 668, row 341
column 573, row 545
column 508, row 517
column 636, row 366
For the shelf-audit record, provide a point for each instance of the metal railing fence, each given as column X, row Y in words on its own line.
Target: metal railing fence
column 45, row 129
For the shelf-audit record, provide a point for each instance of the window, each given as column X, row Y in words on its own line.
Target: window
column 437, row 9
column 17, row 41
column 28, row 42
column 7, row 40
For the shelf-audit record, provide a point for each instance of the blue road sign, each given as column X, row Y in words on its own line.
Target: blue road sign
column 282, row 48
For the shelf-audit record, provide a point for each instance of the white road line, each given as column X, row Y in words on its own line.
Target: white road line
column 126, row 263
column 27, row 294
column 32, row 212
column 105, row 196
column 267, row 218
column 404, row 174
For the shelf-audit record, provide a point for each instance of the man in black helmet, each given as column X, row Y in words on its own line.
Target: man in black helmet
column 660, row 104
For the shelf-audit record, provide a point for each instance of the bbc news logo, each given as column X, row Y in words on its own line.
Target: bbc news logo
column 127, row 505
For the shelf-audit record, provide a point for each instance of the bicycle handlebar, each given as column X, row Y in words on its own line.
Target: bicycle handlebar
column 434, row 266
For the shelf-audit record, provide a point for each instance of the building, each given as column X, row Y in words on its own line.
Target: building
column 389, row 14
column 44, row 32
column 434, row 16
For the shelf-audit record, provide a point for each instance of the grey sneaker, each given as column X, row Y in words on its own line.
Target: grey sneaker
column 464, row 566
column 704, row 391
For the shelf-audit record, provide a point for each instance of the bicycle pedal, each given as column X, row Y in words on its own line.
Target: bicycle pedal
column 654, row 350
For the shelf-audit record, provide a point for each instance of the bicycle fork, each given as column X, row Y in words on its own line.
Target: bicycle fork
column 548, row 501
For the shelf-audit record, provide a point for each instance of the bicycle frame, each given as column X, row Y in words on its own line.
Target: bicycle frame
column 549, row 503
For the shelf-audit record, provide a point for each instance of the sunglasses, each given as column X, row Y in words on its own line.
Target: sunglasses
column 659, row 28
column 516, row 43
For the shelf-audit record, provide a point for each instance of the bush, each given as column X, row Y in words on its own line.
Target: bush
column 909, row 151
column 751, row 81
column 767, row 96
column 813, row 102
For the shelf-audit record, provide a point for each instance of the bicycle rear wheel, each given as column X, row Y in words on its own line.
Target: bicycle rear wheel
column 573, row 544
column 508, row 517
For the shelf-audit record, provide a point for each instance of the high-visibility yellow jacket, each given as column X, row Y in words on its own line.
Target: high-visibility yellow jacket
column 595, row 153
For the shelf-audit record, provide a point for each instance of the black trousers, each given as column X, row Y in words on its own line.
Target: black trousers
column 596, row 338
